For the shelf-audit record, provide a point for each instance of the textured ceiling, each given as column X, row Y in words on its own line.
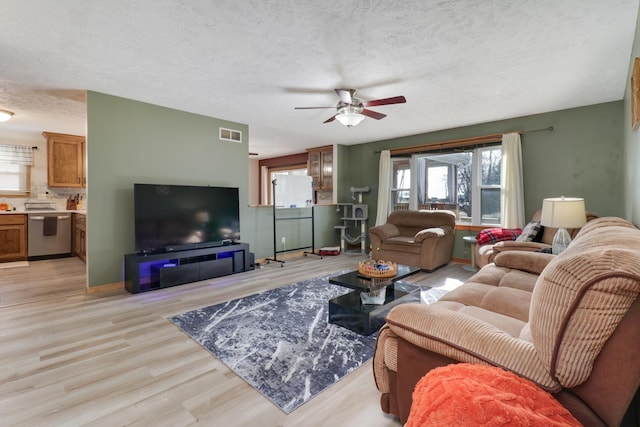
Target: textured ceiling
column 252, row 61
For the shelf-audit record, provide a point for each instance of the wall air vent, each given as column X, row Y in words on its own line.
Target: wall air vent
column 230, row 135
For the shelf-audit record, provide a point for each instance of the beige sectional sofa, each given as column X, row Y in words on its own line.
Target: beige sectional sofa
column 570, row 323
column 484, row 254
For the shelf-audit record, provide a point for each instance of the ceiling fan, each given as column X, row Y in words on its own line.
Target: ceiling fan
column 352, row 111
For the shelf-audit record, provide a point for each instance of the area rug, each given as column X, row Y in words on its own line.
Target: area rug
column 279, row 341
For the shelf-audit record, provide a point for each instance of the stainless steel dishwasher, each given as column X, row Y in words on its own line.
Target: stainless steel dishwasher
column 48, row 234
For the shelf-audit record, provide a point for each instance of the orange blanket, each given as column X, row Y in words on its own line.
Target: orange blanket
column 477, row 395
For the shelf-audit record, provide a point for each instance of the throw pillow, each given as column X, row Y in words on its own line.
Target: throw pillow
column 530, row 232
column 465, row 394
column 493, row 235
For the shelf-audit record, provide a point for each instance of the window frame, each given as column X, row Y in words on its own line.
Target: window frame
column 26, row 176
column 476, row 208
column 279, row 169
column 476, row 180
column 411, row 182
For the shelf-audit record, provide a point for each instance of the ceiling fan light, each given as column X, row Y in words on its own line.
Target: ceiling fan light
column 349, row 119
column 5, row 115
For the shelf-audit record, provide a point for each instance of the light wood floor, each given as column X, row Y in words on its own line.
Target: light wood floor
column 69, row 359
column 42, row 280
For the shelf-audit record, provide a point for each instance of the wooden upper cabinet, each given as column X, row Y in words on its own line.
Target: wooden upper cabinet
column 313, row 169
column 66, row 160
column 320, row 168
column 327, row 170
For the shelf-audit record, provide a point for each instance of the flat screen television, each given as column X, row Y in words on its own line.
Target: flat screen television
column 180, row 217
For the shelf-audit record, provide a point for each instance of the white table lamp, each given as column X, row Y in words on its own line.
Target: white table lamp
column 563, row 213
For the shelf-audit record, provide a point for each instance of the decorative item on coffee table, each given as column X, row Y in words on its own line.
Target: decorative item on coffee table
column 364, row 309
column 378, row 269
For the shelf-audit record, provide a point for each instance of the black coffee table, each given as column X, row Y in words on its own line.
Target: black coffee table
column 348, row 310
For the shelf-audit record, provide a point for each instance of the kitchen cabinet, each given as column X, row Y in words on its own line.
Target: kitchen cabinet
column 320, row 168
column 79, row 236
column 65, row 160
column 13, row 237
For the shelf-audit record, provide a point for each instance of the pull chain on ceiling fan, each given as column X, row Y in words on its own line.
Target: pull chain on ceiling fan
column 351, row 110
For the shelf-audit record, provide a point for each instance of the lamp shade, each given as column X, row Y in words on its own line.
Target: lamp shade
column 563, row 212
column 349, row 118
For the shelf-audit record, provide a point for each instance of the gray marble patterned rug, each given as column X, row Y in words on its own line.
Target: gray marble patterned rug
column 279, row 340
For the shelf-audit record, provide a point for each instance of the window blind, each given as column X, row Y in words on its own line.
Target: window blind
column 16, row 154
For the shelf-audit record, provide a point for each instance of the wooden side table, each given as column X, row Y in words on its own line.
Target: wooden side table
column 472, row 245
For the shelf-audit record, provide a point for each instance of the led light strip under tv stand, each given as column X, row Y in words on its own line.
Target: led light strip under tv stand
column 147, row 272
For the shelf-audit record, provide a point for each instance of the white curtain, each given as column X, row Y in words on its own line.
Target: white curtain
column 512, row 188
column 16, row 155
column 384, row 187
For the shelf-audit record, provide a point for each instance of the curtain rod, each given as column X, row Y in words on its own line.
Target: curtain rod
column 470, row 141
column 548, row 128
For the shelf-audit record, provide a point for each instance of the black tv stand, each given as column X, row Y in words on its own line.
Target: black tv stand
column 146, row 272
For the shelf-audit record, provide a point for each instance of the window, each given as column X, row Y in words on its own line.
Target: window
column 489, row 185
column 274, row 173
column 294, row 164
column 401, row 186
column 15, row 168
column 14, row 179
column 452, row 181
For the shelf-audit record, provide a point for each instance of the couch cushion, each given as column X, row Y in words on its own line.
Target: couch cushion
column 507, row 324
column 484, row 255
column 503, row 300
column 431, row 232
column 422, row 219
column 495, row 275
column 401, row 244
column 531, row 262
column 604, row 222
column 509, row 302
column 466, row 337
column 581, row 296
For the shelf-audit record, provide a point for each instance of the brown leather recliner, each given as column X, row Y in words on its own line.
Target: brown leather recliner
column 421, row 239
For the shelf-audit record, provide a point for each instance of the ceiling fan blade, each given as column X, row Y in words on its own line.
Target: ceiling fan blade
column 330, row 119
column 311, row 108
column 346, row 95
column 385, row 101
column 373, row 114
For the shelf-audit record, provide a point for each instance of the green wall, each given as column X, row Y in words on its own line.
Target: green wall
column 130, row 142
column 588, row 154
column 581, row 157
column 631, row 146
column 297, row 232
